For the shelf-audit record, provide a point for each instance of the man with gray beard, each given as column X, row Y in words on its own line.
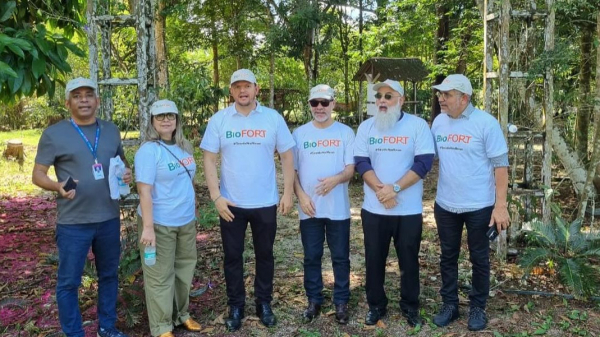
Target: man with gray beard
column 393, row 152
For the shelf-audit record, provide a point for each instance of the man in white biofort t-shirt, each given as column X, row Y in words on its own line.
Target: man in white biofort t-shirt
column 324, row 162
column 471, row 192
column 247, row 135
column 393, row 152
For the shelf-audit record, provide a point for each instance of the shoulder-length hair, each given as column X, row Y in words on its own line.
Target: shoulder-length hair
column 178, row 137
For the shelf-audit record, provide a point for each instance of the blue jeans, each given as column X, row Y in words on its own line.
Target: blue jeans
column 74, row 242
column 313, row 232
column 450, row 228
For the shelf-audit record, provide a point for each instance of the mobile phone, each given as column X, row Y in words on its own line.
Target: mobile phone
column 70, row 184
column 492, row 233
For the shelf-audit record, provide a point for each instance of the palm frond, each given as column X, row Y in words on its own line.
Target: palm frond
column 575, row 227
column 570, row 275
column 578, row 243
column 561, row 231
column 542, row 234
column 532, row 257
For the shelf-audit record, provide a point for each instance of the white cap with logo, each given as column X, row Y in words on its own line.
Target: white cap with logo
column 163, row 106
column 456, row 82
column 243, row 75
column 78, row 83
column 394, row 85
column 321, row 91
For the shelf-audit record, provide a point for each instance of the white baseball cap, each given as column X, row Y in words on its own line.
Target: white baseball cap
column 395, row 85
column 78, row 83
column 163, row 106
column 243, row 75
column 456, row 82
column 321, row 91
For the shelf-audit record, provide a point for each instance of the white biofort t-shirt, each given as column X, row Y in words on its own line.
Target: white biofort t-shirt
column 247, row 145
column 392, row 155
column 322, row 153
column 464, row 147
column 173, row 198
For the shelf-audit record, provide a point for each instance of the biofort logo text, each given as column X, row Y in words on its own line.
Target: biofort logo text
column 322, row 143
column 453, row 138
column 389, row 140
column 185, row 161
column 246, row 134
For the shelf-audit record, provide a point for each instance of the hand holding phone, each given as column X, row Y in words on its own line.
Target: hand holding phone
column 70, row 184
column 492, row 233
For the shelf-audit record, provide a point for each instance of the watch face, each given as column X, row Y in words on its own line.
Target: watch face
column 396, row 188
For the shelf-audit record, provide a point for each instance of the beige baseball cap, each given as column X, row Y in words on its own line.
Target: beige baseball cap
column 164, row 106
column 456, row 82
column 394, row 85
column 243, row 75
column 321, row 91
column 78, row 83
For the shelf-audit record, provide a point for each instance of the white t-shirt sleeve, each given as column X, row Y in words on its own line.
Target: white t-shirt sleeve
column 349, row 148
column 361, row 148
column 424, row 139
column 145, row 164
column 295, row 150
column 285, row 141
column 211, row 141
column 495, row 144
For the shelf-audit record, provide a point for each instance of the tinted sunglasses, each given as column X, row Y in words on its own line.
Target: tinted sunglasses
column 386, row 96
column 315, row 104
column 169, row 116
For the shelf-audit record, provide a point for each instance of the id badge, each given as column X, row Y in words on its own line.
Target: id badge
column 98, row 171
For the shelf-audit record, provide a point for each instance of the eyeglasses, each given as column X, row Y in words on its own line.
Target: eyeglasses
column 169, row 116
column 315, row 103
column 386, row 96
column 446, row 94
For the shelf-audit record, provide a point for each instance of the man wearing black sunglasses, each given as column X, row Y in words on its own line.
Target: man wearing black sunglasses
column 393, row 152
column 324, row 164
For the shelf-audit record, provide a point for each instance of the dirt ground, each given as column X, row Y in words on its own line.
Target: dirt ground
column 28, row 266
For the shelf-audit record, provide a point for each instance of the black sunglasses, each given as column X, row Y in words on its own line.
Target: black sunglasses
column 386, row 96
column 315, row 103
column 169, row 116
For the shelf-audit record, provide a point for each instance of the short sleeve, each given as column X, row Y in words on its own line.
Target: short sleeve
column 361, row 148
column 211, row 141
column 349, row 148
column 424, row 139
column 285, row 141
column 46, row 152
column 295, row 150
column 495, row 144
column 145, row 164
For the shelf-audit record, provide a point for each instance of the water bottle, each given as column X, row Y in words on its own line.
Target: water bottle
column 150, row 255
column 123, row 188
column 512, row 128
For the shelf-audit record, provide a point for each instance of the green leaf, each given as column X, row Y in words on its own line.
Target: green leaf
column 570, row 276
column 49, row 84
column 38, row 67
column 5, row 69
column 26, row 87
column 42, row 43
column 14, row 83
column 532, row 257
column 7, row 10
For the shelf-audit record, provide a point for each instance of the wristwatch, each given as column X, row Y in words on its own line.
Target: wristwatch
column 397, row 188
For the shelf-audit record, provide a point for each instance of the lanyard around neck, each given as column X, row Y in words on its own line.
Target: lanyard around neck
column 93, row 149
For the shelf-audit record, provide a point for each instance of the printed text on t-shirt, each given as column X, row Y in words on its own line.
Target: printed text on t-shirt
column 246, row 133
column 322, row 143
column 453, row 138
column 388, row 140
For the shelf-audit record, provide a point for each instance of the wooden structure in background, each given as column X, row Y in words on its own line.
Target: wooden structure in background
column 101, row 21
column 497, row 24
column 14, row 149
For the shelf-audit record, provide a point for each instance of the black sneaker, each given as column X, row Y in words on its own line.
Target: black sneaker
column 341, row 313
column 412, row 317
column 234, row 321
column 477, row 319
column 447, row 314
column 110, row 333
column 264, row 312
column 374, row 315
column 313, row 310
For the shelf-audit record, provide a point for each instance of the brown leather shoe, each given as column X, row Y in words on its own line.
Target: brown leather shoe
column 191, row 325
column 167, row 334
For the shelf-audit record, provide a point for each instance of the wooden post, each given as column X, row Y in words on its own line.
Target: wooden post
column 488, row 60
column 548, row 110
column 106, row 99
column 14, row 149
column 92, row 35
column 528, row 174
column 146, row 63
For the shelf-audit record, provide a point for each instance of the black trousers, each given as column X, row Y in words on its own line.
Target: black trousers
column 450, row 228
column 378, row 232
column 263, row 222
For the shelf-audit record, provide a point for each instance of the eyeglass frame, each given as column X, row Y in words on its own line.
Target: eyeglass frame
column 166, row 115
column 324, row 104
column 387, row 96
column 447, row 94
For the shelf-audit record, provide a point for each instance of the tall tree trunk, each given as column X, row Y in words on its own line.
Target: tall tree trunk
column 585, row 107
column 442, row 36
column 272, row 81
column 215, row 59
column 161, row 47
column 595, row 162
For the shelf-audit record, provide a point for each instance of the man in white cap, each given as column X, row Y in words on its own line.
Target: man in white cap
column 324, row 163
column 80, row 148
column 471, row 192
column 393, row 152
column 247, row 134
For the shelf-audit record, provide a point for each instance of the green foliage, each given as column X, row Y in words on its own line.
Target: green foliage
column 32, row 57
column 567, row 249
